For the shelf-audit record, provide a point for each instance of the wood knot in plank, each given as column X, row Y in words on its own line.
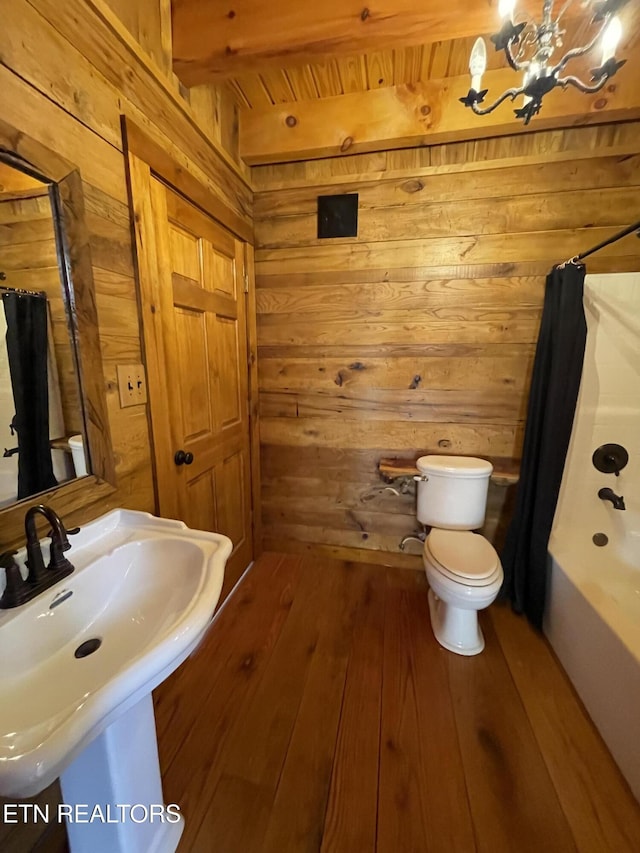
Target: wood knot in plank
column 339, row 380
column 291, row 121
column 425, row 109
column 444, row 442
column 245, row 599
column 492, row 747
column 417, row 379
column 248, row 664
column 347, row 142
column 364, row 14
column 414, row 186
column 231, row 14
column 356, row 365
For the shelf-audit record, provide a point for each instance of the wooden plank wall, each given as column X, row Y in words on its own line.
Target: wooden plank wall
column 68, row 71
column 418, row 335
column 148, row 21
column 66, row 85
column 215, row 106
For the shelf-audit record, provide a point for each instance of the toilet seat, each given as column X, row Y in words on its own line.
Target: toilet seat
column 462, row 556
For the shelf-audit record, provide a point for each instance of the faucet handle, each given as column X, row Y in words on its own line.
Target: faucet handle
column 6, row 559
column 64, row 542
column 60, row 544
column 14, row 591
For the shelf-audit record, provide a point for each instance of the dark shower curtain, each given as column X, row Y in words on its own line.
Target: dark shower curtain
column 555, row 383
column 27, row 351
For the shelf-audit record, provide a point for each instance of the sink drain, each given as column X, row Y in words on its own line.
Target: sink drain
column 88, row 648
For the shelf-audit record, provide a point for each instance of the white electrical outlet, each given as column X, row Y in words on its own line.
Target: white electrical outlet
column 132, row 385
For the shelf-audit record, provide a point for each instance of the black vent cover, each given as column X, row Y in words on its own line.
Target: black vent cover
column 338, row 215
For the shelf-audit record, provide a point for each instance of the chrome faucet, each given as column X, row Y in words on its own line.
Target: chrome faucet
column 18, row 591
column 609, row 495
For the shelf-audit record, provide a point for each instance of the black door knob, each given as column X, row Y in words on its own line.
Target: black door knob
column 182, row 458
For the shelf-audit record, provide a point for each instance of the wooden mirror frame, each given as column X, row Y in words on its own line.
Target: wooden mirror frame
column 76, row 273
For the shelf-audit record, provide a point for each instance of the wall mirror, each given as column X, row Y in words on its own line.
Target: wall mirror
column 54, row 433
column 42, row 432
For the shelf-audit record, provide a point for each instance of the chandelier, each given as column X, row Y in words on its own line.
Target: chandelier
column 529, row 47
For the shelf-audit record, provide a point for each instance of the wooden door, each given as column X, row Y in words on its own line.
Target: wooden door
column 194, row 316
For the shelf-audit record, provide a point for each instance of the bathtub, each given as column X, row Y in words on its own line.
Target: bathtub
column 593, row 623
column 592, row 616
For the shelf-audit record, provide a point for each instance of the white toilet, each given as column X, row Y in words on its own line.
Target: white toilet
column 463, row 568
column 76, row 446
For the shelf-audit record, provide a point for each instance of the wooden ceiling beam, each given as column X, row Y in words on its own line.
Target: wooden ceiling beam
column 213, row 39
column 418, row 114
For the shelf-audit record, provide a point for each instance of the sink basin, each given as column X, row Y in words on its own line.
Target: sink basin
column 144, row 591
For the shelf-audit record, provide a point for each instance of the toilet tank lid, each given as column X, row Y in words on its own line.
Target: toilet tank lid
column 463, row 466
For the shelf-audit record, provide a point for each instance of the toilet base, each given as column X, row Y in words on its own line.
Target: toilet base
column 456, row 630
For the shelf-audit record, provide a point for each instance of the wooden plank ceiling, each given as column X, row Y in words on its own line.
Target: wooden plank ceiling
column 214, row 39
column 342, row 75
column 289, row 67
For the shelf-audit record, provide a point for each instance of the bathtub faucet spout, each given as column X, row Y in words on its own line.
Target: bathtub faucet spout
column 610, row 495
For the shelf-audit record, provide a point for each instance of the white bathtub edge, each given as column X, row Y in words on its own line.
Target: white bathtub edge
column 603, row 671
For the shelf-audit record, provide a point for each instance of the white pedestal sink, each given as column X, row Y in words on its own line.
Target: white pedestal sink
column 140, row 600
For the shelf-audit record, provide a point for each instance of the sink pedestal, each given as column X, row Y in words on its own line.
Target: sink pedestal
column 78, row 668
column 119, row 772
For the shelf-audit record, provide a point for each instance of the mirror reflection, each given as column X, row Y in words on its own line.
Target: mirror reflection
column 41, row 420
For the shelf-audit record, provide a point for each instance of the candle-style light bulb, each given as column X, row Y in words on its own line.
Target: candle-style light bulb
column 506, row 8
column 478, row 63
column 532, row 73
column 610, row 38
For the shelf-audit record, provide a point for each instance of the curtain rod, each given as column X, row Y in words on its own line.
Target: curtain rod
column 5, row 290
column 624, row 233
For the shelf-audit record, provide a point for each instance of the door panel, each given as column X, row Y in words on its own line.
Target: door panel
column 201, row 331
column 193, row 365
column 230, row 496
column 221, row 273
column 230, row 406
column 185, row 253
column 201, row 500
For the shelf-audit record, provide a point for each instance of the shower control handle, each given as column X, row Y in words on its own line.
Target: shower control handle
column 610, row 458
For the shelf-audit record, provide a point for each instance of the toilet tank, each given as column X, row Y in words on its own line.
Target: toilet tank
column 453, row 493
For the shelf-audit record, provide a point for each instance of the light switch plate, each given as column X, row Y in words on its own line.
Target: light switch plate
column 132, row 385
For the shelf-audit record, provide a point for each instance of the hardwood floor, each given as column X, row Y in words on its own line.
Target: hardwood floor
column 320, row 714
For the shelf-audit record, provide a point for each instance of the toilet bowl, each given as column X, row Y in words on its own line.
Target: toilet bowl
column 463, row 568
column 465, row 575
column 76, row 446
